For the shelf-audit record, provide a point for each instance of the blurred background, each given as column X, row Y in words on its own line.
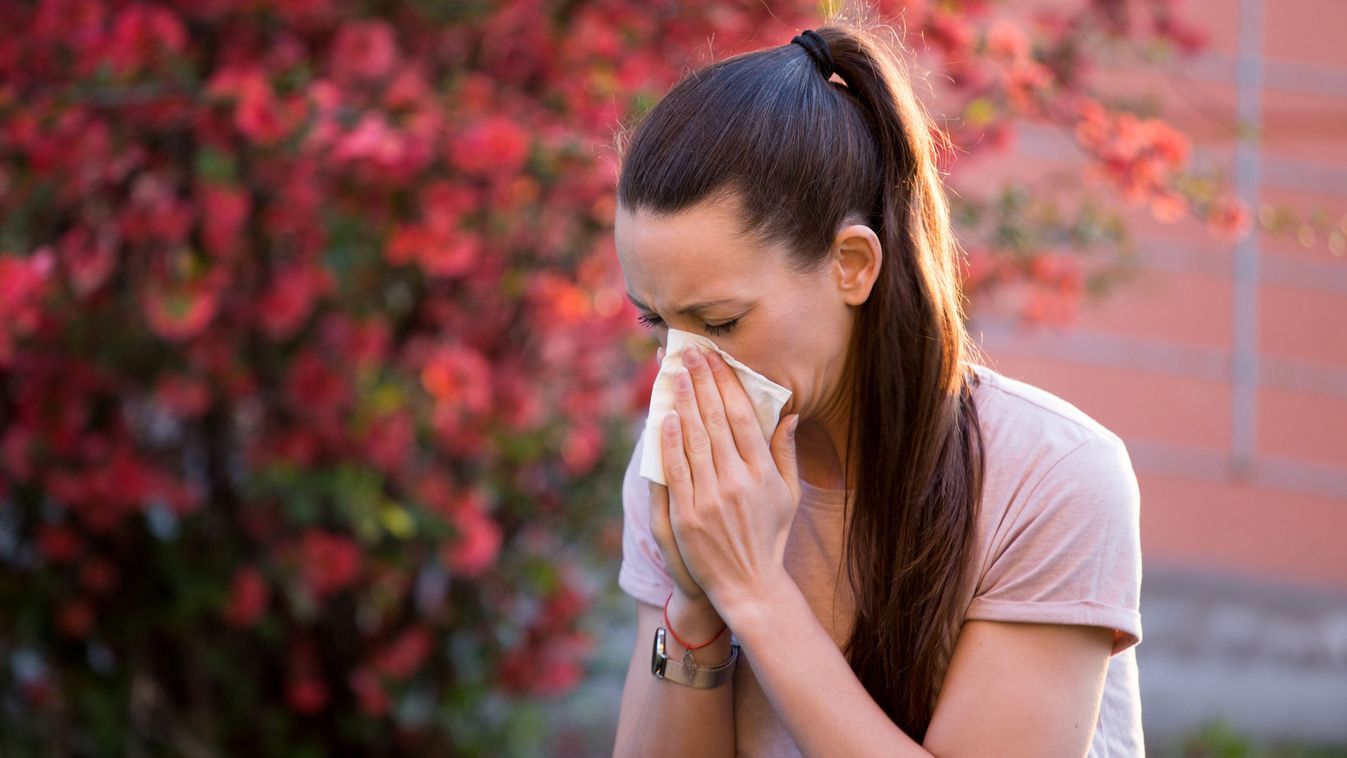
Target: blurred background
column 317, row 378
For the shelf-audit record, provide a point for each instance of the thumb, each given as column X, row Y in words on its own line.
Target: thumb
column 783, row 452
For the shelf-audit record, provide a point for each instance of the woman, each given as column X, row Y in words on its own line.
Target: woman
column 786, row 204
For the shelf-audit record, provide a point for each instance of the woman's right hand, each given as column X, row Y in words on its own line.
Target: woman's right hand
column 686, row 590
column 662, row 529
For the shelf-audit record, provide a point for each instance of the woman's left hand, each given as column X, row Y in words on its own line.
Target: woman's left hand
column 732, row 497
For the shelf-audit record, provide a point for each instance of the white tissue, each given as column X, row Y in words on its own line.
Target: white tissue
column 766, row 396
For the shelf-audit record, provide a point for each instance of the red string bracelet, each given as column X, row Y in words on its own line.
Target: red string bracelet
column 685, row 645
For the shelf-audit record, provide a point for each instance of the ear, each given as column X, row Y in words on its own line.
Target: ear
column 858, row 255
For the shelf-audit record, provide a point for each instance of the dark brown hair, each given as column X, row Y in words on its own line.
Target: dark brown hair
column 802, row 156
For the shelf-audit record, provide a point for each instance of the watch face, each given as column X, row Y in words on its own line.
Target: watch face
column 658, row 658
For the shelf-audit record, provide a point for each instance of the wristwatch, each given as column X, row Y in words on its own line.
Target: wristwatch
column 688, row 672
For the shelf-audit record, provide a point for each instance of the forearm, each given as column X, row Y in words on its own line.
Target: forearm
column 677, row 720
column 809, row 683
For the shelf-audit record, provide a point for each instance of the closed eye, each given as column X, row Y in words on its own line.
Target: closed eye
column 652, row 322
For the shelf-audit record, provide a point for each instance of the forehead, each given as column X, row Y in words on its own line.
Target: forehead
column 684, row 256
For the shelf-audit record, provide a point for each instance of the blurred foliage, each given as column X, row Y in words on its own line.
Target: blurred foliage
column 1220, row 739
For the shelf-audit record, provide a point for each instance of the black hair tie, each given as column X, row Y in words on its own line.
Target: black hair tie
column 817, row 48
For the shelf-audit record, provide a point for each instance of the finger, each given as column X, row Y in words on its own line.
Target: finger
column 677, row 473
column 659, row 355
column 783, row 453
column 696, row 443
column 743, row 420
column 723, row 447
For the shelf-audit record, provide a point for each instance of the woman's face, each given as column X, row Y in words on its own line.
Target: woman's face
column 694, row 272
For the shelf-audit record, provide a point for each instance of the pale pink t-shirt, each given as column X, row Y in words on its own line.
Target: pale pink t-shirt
column 1058, row 542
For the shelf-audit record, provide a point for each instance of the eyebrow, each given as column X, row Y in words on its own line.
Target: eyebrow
column 687, row 309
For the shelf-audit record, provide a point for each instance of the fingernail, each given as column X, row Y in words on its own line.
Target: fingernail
column 692, row 355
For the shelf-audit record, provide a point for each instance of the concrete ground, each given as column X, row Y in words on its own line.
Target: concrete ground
column 1270, row 661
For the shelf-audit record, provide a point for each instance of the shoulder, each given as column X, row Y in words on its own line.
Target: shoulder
column 1003, row 401
column 1046, row 459
column 1059, row 521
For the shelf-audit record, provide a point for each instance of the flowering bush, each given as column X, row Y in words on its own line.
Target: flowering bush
column 316, row 372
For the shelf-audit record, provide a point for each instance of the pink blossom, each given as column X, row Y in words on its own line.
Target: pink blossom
column 364, row 50
column 88, row 257
column 328, row 562
column 289, row 300
column 142, row 36
column 477, row 545
column 458, row 376
column 180, row 310
column 224, row 211
column 496, row 145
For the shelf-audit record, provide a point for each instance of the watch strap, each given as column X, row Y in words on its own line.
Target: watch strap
column 684, row 671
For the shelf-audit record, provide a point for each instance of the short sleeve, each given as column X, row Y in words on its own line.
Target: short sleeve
column 643, row 574
column 1071, row 554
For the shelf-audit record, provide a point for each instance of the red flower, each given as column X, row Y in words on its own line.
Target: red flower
column 459, row 377
column 400, row 658
column 142, row 35
column 289, row 300
column 181, row 310
column 452, row 255
column 1229, row 219
column 477, row 545
column 314, row 388
column 374, row 140
column 444, row 204
column 262, row 117
column 247, row 597
column 369, row 692
column 582, row 446
column 496, row 145
column 224, row 210
column 186, row 396
column 519, row 672
column 22, row 286
column 90, row 259
column 57, row 544
column 364, row 50
column 306, row 694
column 75, row 618
column 328, row 562
column 98, row 575
column 1007, row 41
column 389, row 439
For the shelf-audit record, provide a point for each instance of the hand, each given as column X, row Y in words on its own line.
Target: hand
column 662, row 529
column 732, row 497
column 684, row 584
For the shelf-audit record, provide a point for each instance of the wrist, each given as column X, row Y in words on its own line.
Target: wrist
column 695, row 620
column 700, row 625
column 755, row 616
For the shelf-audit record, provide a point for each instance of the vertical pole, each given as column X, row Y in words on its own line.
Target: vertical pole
column 1248, row 157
